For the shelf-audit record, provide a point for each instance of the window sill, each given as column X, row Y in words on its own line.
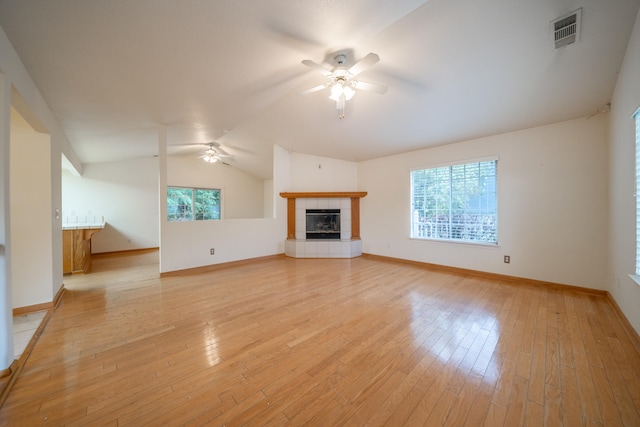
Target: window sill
column 461, row 242
column 635, row 278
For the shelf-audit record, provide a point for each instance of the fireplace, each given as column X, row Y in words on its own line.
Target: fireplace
column 335, row 218
column 323, row 224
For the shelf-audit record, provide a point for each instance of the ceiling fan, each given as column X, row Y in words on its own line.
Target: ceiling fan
column 342, row 80
column 212, row 155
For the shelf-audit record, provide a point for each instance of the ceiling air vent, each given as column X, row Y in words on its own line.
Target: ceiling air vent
column 566, row 29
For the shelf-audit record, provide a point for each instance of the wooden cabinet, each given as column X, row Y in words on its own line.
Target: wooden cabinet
column 76, row 250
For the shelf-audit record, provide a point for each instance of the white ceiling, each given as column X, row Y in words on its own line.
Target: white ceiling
column 229, row 71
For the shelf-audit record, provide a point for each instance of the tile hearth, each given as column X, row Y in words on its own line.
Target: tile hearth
column 323, row 248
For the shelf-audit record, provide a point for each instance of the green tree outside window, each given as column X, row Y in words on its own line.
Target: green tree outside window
column 192, row 204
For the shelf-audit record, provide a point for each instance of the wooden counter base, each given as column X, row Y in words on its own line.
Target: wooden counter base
column 76, row 250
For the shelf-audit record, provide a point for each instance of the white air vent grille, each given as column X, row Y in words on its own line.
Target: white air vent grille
column 566, row 29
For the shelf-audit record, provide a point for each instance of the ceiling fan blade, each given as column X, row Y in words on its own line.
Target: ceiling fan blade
column 193, row 144
column 372, row 87
column 317, row 67
column 364, row 63
column 313, row 89
column 216, row 148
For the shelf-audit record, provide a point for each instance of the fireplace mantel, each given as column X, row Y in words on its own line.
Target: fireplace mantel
column 355, row 207
column 348, row 246
column 324, row 195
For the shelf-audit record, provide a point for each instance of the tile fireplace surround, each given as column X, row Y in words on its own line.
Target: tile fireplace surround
column 349, row 245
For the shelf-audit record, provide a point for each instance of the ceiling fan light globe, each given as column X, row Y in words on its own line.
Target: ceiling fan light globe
column 348, row 92
column 336, row 91
column 209, row 158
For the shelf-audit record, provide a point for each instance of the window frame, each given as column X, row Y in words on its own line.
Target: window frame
column 194, row 213
column 488, row 243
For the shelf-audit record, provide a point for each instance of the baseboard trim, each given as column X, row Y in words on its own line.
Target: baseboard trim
column 9, row 370
column 16, row 366
column 430, row 266
column 58, row 297
column 221, row 266
column 20, row 311
column 487, row 275
column 628, row 328
column 127, row 251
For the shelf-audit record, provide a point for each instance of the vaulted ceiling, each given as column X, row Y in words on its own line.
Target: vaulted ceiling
column 230, row 71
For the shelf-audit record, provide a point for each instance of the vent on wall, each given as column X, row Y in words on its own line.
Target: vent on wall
column 566, row 29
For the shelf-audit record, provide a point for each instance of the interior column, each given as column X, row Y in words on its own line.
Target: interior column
column 6, row 305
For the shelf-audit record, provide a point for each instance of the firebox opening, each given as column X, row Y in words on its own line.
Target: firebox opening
column 323, row 224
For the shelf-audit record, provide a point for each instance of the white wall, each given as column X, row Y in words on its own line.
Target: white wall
column 242, row 194
column 125, row 193
column 625, row 102
column 187, row 244
column 6, row 306
column 268, row 209
column 313, row 173
column 552, row 204
column 31, row 218
column 18, row 90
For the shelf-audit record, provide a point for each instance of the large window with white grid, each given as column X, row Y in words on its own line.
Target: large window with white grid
column 455, row 202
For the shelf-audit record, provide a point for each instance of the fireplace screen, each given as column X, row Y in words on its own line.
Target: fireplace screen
column 323, row 223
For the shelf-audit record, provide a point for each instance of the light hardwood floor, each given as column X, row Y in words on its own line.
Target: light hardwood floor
column 323, row 342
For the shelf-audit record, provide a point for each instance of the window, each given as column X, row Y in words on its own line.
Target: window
column 455, row 202
column 637, row 117
column 189, row 204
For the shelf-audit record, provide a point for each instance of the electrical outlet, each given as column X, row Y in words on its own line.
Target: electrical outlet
column 212, row 251
column 507, row 259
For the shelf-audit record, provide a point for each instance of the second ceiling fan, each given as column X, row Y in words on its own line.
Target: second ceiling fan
column 342, row 80
column 212, row 155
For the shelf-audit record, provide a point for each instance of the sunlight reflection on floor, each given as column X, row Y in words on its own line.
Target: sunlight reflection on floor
column 469, row 334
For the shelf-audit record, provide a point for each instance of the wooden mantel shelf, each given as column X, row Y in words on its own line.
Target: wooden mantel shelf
column 324, row 195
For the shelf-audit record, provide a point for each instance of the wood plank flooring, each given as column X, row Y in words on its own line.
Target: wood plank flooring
column 323, row 342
